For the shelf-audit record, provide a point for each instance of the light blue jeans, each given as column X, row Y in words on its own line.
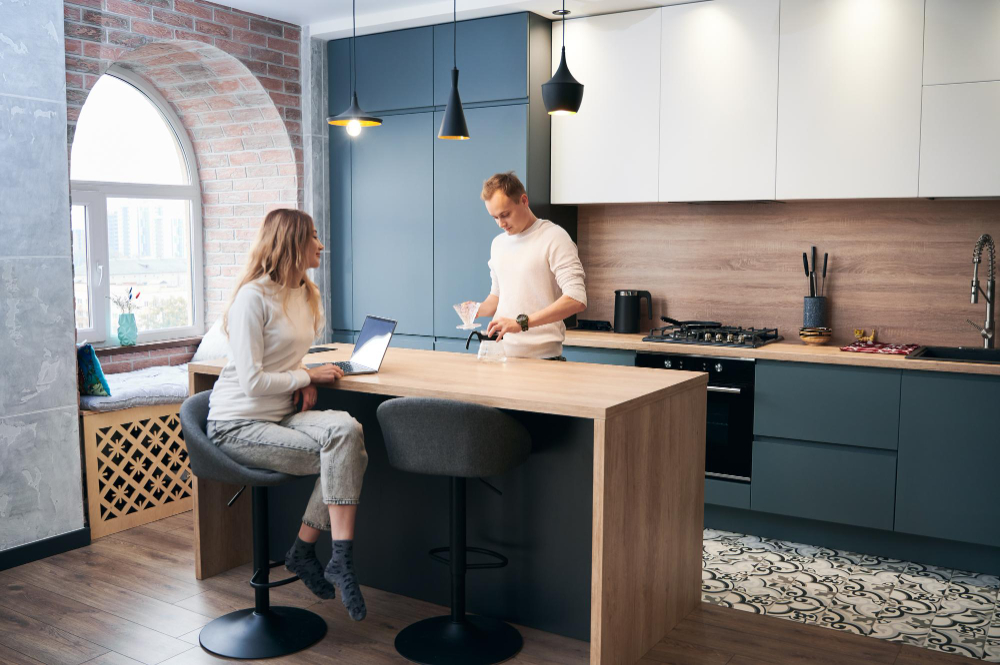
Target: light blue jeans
column 330, row 443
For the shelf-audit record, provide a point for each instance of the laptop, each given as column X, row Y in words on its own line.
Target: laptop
column 370, row 348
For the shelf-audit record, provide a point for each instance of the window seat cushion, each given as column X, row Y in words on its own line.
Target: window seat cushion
column 143, row 387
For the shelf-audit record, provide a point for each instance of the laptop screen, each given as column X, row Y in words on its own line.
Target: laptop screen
column 372, row 342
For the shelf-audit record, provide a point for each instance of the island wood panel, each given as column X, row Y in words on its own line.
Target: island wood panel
column 223, row 535
column 900, row 266
column 648, row 515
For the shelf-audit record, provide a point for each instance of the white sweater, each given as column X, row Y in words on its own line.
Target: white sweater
column 267, row 344
column 530, row 271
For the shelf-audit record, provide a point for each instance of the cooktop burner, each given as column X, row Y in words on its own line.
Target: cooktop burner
column 711, row 333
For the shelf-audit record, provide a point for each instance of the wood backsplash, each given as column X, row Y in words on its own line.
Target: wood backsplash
column 901, row 266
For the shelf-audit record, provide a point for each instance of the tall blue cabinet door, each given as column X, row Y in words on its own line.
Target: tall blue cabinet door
column 949, row 457
column 396, row 70
column 463, row 230
column 393, row 225
column 492, row 59
column 340, row 306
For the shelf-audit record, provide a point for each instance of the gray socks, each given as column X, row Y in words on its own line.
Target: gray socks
column 302, row 561
column 340, row 573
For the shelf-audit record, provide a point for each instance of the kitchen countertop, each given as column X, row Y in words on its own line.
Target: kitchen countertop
column 791, row 351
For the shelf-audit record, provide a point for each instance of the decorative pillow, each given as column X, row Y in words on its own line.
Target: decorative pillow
column 89, row 373
column 213, row 345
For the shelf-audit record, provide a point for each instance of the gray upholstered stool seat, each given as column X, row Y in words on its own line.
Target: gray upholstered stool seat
column 262, row 631
column 460, row 440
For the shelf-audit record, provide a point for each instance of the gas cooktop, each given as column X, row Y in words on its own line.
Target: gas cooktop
column 711, row 333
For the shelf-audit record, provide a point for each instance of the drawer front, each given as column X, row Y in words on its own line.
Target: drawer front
column 601, row 356
column 854, row 406
column 729, row 493
column 855, row 486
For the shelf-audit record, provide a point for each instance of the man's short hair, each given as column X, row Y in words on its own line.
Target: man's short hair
column 508, row 183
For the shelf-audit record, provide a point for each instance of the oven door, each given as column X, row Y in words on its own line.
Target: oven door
column 729, row 433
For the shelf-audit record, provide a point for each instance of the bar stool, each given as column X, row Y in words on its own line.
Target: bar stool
column 459, row 440
column 262, row 631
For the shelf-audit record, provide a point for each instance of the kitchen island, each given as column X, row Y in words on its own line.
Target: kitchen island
column 602, row 524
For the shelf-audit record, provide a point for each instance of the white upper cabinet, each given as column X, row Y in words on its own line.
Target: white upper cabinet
column 609, row 151
column 960, row 142
column 849, row 98
column 962, row 41
column 718, row 100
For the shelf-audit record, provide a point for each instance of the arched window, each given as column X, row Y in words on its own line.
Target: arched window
column 136, row 215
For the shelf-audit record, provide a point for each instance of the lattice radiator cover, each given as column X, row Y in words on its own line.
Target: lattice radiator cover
column 137, row 467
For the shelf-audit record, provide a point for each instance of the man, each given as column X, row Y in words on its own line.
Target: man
column 536, row 273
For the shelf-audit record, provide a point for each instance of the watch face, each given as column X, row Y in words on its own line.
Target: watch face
column 522, row 320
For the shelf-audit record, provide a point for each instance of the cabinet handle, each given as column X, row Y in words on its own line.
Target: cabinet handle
column 724, row 389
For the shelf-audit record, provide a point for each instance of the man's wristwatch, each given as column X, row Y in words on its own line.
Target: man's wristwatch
column 522, row 320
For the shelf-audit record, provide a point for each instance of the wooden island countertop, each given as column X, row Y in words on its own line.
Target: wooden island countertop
column 646, row 430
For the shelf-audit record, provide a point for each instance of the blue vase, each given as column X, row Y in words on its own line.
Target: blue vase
column 126, row 329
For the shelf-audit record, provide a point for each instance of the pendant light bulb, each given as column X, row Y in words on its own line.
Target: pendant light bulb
column 562, row 94
column 453, row 125
column 354, row 118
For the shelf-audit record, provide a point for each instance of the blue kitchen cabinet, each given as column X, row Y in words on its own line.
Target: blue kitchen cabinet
column 834, row 483
column 339, row 244
column 463, row 230
column 492, row 59
column 395, row 70
column 729, row 493
column 581, row 354
column 413, row 342
column 393, row 223
column 854, row 406
column 948, row 483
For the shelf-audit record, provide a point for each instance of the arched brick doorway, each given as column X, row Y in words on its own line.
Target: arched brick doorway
column 247, row 163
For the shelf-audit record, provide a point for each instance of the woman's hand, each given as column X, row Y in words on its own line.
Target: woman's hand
column 326, row 373
column 308, row 396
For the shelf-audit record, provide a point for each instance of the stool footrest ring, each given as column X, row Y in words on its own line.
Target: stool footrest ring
column 270, row 585
column 500, row 563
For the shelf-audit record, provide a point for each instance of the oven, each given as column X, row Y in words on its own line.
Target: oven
column 729, row 431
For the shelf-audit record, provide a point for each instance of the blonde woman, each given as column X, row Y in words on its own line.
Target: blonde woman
column 272, row 320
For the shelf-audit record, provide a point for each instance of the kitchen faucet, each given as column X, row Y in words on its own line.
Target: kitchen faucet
column 988, row 332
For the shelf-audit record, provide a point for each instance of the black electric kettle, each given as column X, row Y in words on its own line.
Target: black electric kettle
column 628, row 309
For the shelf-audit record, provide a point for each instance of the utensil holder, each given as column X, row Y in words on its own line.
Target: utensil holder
column 814, row 312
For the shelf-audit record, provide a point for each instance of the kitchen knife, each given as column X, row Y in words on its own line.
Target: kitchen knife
column 826, row 258
column 805, row 263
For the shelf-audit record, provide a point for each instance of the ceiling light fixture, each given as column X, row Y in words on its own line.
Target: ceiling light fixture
column 354, row 118
column 563, row 94
column 453, row 124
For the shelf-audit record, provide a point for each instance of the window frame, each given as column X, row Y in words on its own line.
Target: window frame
column 95, row 195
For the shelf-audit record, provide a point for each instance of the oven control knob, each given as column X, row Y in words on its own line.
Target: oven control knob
column 708, row 337
column 718, row 337
column 730, row 338
column 742, row 339
column 718, row 367
column 668, row 364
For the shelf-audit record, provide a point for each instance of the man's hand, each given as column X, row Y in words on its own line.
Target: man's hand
column 308, row 396
column 501, row 326
column 327, row 373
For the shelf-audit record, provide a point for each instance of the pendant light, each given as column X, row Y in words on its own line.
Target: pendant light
column 563, row 94
column 354, row 118
column 453, row 124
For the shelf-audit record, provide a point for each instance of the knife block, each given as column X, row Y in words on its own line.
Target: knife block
column 814, row 312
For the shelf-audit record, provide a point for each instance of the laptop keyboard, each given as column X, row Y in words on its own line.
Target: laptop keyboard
column 348, row 366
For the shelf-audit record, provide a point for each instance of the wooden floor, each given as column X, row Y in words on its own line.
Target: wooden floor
column 132, row 597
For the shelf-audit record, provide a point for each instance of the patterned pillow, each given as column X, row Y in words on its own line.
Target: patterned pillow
column 89, row 374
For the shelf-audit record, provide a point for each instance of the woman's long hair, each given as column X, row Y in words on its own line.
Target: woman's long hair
column 279, row 251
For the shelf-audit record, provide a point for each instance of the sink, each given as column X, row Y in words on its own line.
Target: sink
column 962, row 354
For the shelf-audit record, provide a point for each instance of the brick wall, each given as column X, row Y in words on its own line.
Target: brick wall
column 114, row 361
column 233, row 79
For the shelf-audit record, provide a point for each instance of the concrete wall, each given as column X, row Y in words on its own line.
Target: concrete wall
column 40, row 479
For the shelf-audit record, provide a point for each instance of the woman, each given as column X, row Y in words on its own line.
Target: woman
column 272, row 320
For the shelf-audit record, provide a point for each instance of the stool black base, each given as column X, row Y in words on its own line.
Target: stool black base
column 278, row 632
column 475, row 641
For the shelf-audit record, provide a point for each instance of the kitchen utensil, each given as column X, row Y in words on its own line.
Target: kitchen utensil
column 826, row 259
column 814, row 312
column 467, row 312
column 628, row 310
column 490, row 348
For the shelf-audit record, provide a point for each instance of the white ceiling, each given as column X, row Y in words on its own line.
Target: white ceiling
column 331, row 19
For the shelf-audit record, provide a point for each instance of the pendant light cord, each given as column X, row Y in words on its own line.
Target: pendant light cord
column 564, row 23
column 354, row 39
column 454, row 34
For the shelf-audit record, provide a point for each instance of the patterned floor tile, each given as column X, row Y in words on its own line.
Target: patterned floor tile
column 976, row 579
column 991, row 650
column 842, row 617
column 907, row 616
column 968, row 597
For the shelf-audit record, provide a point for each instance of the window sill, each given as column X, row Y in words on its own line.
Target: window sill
column 115, row 349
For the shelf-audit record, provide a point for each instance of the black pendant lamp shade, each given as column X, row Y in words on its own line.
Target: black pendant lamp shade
column 354, row 118
column 453, row 124
column 562, row 94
